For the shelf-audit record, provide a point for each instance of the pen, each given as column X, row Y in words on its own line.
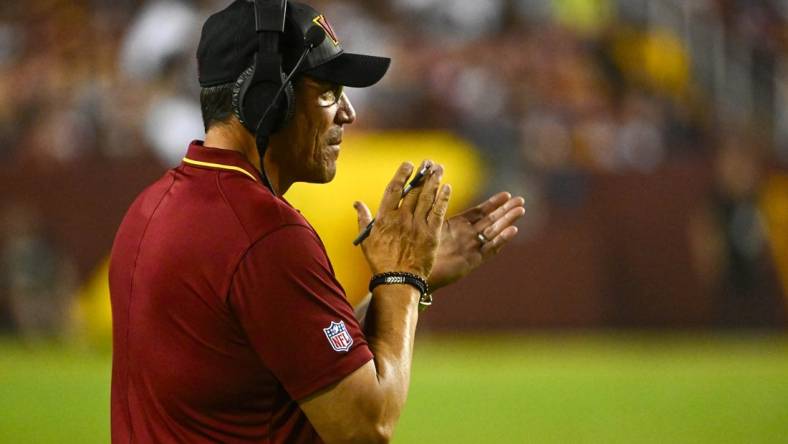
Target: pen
column 416, row 181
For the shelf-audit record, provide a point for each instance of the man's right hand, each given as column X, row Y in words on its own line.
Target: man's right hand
column 405, row 237
column 365, row 405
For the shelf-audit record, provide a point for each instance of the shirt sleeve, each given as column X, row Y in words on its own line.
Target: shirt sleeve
column 295, row 313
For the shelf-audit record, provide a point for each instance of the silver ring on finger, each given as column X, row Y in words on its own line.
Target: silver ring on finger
column 482, row 238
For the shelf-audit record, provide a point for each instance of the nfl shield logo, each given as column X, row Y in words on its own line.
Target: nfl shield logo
column 338, row 336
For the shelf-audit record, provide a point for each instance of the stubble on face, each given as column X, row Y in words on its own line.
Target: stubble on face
column 329, row 147
column 311, row 142
column 321, row 146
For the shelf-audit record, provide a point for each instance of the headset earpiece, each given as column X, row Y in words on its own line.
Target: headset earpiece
column 263, row 95
column 250, row 100
column 239, row 93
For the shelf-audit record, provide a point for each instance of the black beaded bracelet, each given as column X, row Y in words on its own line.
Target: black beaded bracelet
column 414, row 280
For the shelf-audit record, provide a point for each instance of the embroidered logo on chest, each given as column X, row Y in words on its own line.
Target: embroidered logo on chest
column 338, row 336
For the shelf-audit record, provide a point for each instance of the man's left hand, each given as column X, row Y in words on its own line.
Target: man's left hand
column 462, row 250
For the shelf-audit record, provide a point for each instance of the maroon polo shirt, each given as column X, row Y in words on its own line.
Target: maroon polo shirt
column 225, row 311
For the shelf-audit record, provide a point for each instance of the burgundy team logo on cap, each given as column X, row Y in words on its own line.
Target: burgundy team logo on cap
column 338, row 336
column 321, row 21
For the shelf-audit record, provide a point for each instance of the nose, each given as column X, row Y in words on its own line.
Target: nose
column 346, row 114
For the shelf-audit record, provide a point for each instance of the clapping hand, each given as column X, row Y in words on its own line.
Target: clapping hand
column 470, row 238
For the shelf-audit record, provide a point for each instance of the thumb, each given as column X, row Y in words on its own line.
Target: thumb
column 364, row 215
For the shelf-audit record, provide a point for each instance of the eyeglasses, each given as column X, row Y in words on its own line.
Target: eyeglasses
column 331, row 96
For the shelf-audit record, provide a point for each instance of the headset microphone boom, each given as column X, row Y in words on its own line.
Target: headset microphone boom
column 314, row 37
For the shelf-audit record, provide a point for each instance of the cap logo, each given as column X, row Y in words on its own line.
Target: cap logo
column 321, row 21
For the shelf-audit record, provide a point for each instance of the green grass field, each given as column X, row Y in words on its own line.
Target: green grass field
column 497, row 389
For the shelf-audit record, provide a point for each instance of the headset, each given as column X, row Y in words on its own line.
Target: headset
column 263, row 95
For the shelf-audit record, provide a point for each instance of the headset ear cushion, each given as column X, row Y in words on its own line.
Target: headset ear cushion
column 288, row 98
column 282, row 112
column 240, row 89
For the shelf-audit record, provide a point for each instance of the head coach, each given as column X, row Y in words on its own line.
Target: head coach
column 228, row 322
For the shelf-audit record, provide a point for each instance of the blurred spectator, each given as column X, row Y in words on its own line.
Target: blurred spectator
column 162, row 29
column 639, row 144
column 454, row 20
column 38, row 279
column 729, row 239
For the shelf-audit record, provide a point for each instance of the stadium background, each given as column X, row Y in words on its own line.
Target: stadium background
column 644, row 301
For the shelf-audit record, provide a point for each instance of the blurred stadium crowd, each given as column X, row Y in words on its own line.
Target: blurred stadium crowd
column 552, row 92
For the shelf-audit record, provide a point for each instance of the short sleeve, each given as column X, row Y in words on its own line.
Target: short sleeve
column 295, row 313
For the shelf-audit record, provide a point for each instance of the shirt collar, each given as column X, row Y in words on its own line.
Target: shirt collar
column 201, row 156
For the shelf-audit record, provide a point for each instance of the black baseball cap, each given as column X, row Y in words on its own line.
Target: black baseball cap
column 229, row 42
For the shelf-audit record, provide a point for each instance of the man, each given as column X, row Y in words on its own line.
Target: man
column 229, row 325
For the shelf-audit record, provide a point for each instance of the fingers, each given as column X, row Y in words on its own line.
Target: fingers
column 364, row 215
column 502, row 210
column 504, row 222
column 409, row 203
column 476, row 213
column 493, row 203
column 428, row 192
column 492, row 247
column 393, row 193
column 499, row 227
column 438, row 214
